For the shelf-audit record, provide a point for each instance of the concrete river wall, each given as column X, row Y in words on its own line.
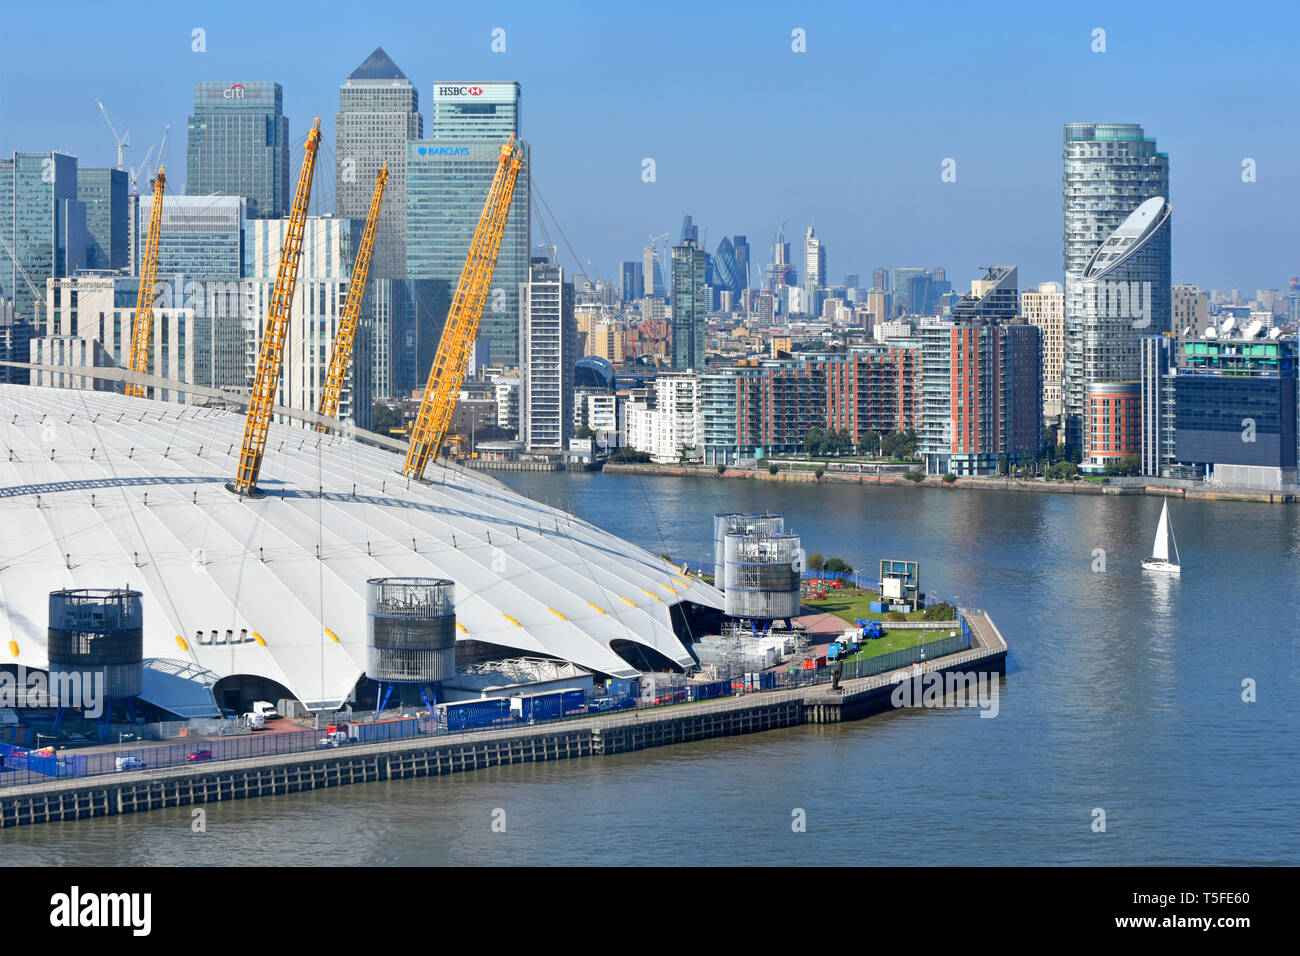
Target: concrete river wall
column 594, row 736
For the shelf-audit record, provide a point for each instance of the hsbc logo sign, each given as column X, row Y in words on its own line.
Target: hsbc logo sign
column 460, row 91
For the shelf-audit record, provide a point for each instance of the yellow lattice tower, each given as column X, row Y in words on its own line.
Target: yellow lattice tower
column 449, row 364
column 142, row 335
column 269, row 362
column 329, row 399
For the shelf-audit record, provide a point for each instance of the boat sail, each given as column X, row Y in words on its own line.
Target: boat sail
column 1159, row 560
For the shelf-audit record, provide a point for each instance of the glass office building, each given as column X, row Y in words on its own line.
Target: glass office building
column 104, row 191
column 481, row 111
column 447, row 183
column 239, row 146
column 200, row 265
column 43, row 224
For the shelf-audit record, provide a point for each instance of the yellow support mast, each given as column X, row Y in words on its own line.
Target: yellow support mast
column 329, row 399
column 142, row 335
column 271, row 358
column 449, row 364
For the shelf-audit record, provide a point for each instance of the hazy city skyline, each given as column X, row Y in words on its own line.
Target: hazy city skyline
column 822, row 138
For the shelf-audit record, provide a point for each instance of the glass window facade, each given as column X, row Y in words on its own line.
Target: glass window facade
column 239, row 146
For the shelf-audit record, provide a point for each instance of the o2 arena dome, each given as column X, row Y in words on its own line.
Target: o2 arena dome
column 98, row 490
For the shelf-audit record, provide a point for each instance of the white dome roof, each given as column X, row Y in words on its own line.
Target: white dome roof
column 98, row 490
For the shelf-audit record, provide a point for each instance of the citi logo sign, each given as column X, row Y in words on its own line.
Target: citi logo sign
column 460, row 91
column 234, row 92
column 443, row 150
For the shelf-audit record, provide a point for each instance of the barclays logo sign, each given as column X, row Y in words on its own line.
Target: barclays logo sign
column 443, row 150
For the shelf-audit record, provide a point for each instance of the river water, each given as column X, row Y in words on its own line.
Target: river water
column 1124, row 694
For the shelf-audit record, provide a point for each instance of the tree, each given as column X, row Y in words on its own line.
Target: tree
column 772, row 469
column 385, row 418
column 630, row 455
column 722, row 469
column 839, row 566
column 1130, row 465
column 586, row 431
column 820, row 472
column 816, row 562
column 914, row 476
column 949, row 478
column 940, row 612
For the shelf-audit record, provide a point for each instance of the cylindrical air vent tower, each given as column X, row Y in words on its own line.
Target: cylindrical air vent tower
column 762, row 577
column 99, row 631
column 725, row 524
column 411, row 630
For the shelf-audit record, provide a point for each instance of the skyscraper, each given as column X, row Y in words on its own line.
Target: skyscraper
column 239, row 146
column 1110, row 170
column 690, row 307
column 548, row 349
column 43, row 226
column 200, row 265
column 104, row 191
column 880, row 280
column 482, row 111
column 652, row 274
column 1122, row 295
column 448, row 178
column 1045, row 308
column 814, row 278
column 379, row 113
column 903, row 277
column 726, row 271
column 741, row 246
column 633, row 281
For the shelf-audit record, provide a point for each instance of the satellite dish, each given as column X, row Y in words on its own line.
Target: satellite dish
column 1253, row 329
column 1211, row 333
column 1187, row 331
column 1228, row 323
column 1274, row 332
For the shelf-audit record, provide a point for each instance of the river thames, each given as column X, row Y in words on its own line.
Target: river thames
column 1124, row 694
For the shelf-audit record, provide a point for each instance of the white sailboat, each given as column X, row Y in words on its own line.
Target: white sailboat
column 1159, row 560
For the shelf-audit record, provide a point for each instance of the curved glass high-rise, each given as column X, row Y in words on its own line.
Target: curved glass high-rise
column 1110, row 170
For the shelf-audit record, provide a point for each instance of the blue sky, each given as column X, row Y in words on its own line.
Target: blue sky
column 848, row 136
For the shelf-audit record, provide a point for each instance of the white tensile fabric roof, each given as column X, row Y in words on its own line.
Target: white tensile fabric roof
column 98, row 490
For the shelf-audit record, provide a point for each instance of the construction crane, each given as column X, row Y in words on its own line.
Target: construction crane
column 142, row 334
column 448, row 371
column 271, row 358
column 144, row 163
column 329, row 400
column 123, row 142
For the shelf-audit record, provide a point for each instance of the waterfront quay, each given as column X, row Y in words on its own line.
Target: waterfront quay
column 865, row 475
column 595, row 736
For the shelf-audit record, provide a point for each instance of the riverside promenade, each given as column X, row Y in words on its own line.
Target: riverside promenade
column 1157, row 487
column 591, row 736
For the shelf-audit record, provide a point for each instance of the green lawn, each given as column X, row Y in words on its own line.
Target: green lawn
column 899, row 641
column 852, row 604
